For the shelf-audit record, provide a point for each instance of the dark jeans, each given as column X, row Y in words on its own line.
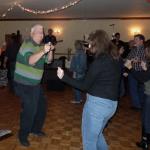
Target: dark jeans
column 78, row 93
column 33, row 111
column 146, row 114
column 136, row 91
column 121, row 88
column 11, row 69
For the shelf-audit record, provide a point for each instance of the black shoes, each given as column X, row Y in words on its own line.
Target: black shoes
column 24, row 142
column 143, row 144
column 135, row 108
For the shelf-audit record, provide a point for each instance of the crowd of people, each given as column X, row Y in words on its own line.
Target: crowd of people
column 102, row 79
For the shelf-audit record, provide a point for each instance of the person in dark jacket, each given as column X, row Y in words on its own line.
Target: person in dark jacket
column 10, row 58
column 50, row 37
column 78, row 67
column 117, row 40
column 102, row 85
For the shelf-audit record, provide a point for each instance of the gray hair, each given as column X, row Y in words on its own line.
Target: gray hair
column 35, row 28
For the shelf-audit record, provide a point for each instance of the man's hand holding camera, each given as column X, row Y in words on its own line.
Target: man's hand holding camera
column 48, row 47
column 128, row 64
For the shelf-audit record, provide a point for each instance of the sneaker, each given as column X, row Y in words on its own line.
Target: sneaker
column 75, row 102
column 39, row 134
column 81, row 100
column 135, row 108
column 143, row 144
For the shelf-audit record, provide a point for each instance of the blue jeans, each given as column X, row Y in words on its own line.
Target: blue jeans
column 33, row 104
column 96, row 113
column 136, row 91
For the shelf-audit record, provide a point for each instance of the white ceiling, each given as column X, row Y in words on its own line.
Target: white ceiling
column 91, row 9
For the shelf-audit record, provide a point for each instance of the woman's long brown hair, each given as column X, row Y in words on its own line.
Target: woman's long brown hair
column 102, row 44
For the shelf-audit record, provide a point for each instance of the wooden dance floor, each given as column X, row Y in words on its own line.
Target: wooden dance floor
column 63, row 124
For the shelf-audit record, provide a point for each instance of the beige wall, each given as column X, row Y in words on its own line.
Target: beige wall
column 75, row 29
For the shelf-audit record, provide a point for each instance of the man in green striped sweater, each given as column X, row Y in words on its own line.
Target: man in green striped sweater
column 27, row 77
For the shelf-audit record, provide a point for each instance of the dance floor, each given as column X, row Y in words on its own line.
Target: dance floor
column 63, row 124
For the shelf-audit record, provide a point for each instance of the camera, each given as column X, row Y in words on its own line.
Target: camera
column 86, row 44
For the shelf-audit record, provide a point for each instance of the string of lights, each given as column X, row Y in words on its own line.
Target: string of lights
column 42, row 12
column 8, row 10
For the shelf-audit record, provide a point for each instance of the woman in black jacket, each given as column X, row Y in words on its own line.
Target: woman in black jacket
column 101, row 84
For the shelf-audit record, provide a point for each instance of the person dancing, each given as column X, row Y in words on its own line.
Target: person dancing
column 102, row 86
column 27, row 77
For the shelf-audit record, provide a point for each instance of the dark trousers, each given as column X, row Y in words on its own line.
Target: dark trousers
column 10, row 75
column 136, row 91
column 146, row 114
column 33, row 104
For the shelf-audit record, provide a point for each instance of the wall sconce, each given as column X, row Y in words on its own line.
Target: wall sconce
column 135, row 30
column 57, row 31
